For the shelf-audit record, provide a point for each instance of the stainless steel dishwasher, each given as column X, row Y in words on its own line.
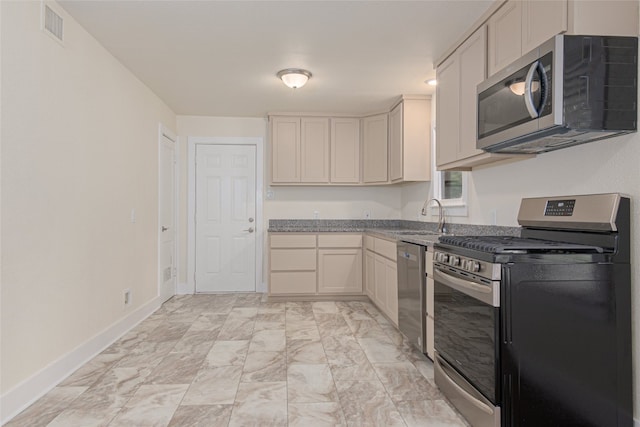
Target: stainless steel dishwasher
column 411, row 294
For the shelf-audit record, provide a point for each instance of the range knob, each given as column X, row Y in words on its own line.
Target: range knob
column 454, row 261
column 475, row 266
column 442, row 257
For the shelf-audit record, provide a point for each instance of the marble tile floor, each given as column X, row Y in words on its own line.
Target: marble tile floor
column 238, row 360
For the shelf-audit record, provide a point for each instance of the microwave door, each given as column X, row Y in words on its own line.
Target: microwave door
column 509, row 108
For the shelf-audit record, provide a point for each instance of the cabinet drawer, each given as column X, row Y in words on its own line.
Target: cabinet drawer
column 340, row 240
column 369, row 242
column 303, row 282
column 386, row 248
column 293, row 241
column 293, row 259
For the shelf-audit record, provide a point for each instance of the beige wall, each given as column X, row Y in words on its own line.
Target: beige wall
column 79, row 151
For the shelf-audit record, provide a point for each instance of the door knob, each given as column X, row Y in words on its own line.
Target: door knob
column 250, row 230
column 250, row 219
column 164, row 228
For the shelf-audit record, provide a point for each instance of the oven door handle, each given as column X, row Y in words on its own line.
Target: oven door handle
column 488, row 294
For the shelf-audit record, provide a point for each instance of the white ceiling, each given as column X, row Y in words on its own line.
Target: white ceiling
column 220, row 58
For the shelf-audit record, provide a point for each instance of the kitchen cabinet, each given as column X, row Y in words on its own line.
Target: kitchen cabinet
column 505, row 36
column 299, row 150
column 456, row 107
column 410, row 140
column 375, row 148
column 292, row 264
column 315, row 264
column 285, row 149
column 520, row 26
column 345, row 150
column 314, row 149
column 340, row 263
column 381, row 276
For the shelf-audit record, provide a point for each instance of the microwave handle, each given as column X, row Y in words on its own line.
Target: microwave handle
column 528, row 94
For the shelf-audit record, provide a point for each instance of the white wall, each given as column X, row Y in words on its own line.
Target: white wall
column 79, row 151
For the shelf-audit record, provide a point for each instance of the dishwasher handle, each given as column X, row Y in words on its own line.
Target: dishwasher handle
column 408, row 256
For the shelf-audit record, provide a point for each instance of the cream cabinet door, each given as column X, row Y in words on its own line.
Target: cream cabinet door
column 340, row 271
column 395, row 144
column 391, row 284
column 472, row 62
column 505, row 36
column 314, row 149
column 448, row 110
column 375, row 148
column 542, row 20
column 369, row 275
column 345, row 150
column 285, row 149
column 380, row 282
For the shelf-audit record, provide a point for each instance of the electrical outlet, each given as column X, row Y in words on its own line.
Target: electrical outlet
column 494, row 217
column 133, row 215
column 316, row 214
column 366, row 214
column 127, row 296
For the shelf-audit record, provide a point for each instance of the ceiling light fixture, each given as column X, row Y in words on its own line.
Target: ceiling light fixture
column 294, row 77
column 432, row 82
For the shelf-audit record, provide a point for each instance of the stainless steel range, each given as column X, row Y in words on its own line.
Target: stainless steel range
column 536, row 330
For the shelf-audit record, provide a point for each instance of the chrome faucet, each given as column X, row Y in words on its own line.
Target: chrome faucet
column 441, row 224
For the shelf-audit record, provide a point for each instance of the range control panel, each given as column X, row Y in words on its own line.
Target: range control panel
column 560, row 207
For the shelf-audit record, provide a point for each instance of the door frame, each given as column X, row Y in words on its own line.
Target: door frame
column 192, row 142
column 163, row 131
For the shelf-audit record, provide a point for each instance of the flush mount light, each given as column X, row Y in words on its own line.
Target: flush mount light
column 432, row 82
column 294, row 77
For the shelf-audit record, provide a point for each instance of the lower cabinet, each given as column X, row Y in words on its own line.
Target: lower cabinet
column 315, row 264
column 339, row 271
column 381, row 277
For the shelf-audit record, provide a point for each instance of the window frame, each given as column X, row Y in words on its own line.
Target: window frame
column 453, row 207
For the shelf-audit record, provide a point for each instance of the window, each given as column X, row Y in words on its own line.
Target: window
column 450, row 188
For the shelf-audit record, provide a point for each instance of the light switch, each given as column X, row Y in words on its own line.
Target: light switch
column 133, row 215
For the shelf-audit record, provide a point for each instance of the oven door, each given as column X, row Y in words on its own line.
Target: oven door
column 467, row 325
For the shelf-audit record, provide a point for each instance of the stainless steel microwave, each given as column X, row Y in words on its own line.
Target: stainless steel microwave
column 568, row 91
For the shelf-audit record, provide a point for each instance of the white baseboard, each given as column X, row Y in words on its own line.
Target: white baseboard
column 636, row 422
column 28, row 391
column 184, row 289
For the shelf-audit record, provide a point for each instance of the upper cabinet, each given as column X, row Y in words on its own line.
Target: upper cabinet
column 345, row 150
column 300, row 149
column 369, row 150
column 508, row 30
column 521, row 25
column 410, row 140
column 285, row 149
column 375, row 149
column 314, row 149
column 456, row 107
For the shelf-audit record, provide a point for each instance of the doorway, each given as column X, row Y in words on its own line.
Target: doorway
column 167, row 270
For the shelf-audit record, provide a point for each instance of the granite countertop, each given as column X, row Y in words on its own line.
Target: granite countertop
column 421, row 233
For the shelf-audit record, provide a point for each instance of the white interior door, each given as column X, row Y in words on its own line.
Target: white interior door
column 225, row 218
column 166, row 219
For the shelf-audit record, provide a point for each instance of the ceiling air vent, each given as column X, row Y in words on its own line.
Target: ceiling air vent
column 53, row 23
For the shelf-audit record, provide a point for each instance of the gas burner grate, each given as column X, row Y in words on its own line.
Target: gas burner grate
column 510, row 244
